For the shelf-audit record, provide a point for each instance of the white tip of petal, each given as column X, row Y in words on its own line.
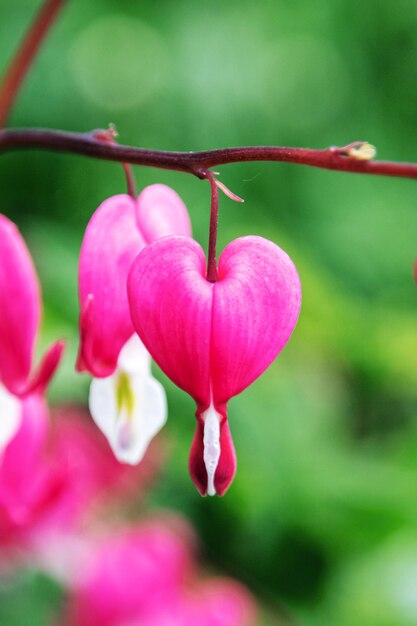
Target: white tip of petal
column 134, row 357
column 10, row 417
column 129, row 427
column 211, row 446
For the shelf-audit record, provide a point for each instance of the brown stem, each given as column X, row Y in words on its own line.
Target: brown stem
column 130, row 181
column 109, row 136
column 197, row 163
column 21, row 62
column 214, row 221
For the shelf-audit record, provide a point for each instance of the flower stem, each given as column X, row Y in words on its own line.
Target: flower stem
column 22, row 60
column 109, row 136
column 197, row 163
column 130, row 181
column 214, row 221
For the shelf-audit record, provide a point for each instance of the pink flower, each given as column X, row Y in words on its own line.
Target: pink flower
column 27, row 487
column 126, row 402
column 213, row 339
column 145, row 576
column 20, row 311
column 51, row 478
column 92, row 475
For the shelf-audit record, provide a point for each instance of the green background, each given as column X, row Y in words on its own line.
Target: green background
column 321, row 521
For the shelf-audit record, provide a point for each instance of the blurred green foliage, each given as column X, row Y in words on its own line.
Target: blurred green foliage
column 321, row 521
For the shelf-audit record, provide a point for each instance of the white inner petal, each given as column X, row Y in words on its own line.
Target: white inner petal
column 211, row 446
column 134, row 357
column 10, row 417
column 130, row 406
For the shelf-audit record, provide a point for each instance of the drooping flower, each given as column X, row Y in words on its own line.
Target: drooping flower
column 20, row 312
column 213, row 339
column 145, row 575
column 126, row 402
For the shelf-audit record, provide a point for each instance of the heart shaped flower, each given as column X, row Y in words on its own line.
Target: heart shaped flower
column 126, row 402
column 213, row 339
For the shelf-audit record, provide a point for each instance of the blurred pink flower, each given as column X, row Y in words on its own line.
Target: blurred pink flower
column 213, row 339
column 51, row 479
column 92, row 474
column 27, row 486
column 20, row 308
column 126, row 402
column 145, row 576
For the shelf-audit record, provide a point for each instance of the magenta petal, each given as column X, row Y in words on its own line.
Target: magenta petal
column 161, row 212
column 22, row 471
column 47, row 368
column 226, row 468
column 84, row 356
column 257, row 301
column 170, row 303
column 196, row 464
column 223, row 602
column 111, row 242
column 226, row 333
column 19, row 307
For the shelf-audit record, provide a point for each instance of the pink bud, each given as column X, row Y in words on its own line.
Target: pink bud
column 116, row 233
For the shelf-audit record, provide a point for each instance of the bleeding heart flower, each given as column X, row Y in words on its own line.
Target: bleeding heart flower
column 213, row 339
column 126, row 402
column 20, row 308
column 52, row 478
column 146, row 575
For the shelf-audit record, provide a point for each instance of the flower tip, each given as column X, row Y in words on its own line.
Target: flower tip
column 45, row 371
column 89, row 358
column 50, row 363
column 209, row 477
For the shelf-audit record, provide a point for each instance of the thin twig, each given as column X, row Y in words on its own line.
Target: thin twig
column 340, row 159
column 25, row 55
column 109, row 136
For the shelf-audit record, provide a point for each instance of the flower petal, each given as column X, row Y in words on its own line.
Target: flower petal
column 10, row 417
column 134, row 357
column 257, row 301
column 223, row 602
column 19, row 306
column 161, row 212
column 22, row 469
column 170, row 302
column 129, row 430
column 226, row 333
column 46, row 370
column 111, row 242
column 106, row 589
column 90, row 473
